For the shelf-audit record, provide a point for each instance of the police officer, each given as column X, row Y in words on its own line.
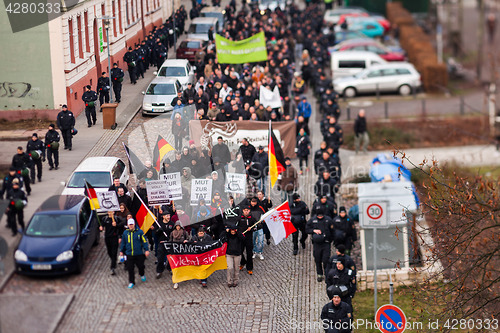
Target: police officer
column 319, row 227
column 36, row 149
column 336, row 315
column 344, row 278
column 66, row 122
column 52, row 139
column 89, row 97
column 103, row 89
column 327, row 203
column 299, row 210
column 344, row 232
column 160, row 53
column 7, row 181
column 17, row 201
column 22, row 163
column 130, row 59
column 139, row 60
column 117, row 79
column 147, row 54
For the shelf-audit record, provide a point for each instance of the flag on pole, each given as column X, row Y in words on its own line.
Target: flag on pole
column 161, row 148
column 143, row 215
column 92, row 195
column 134, row 163
column 279, row 222
column 276, row 157
column 195, row 261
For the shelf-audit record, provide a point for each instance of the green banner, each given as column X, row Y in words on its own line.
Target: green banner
column 101, row 42
column 252, row 49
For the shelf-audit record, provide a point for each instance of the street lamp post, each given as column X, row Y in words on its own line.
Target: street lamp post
column 106, row 21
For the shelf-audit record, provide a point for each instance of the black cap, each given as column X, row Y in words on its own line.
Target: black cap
column 12, row 168
column 246, row 207
column 35, row 135
column 320, row 212
column 341, row 260
column 65, row 106
column 52, row 125
column 115, row 64
column 287, row 159
column 295, row 196
column 342, row 209
column 232, row 227
column 261, row 147
column 167, row 161
column 341, row 248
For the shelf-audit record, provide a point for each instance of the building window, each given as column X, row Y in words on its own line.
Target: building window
column 80, row 38
column 71, row 41
column 103, row 11
column 114, row 15
column 87, row 38
column 120, row 16
column 128, row 11
column 132, row 11
column 76, row 96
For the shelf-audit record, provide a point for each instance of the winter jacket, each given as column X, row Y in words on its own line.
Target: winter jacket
column 303, row 144
column 324, row 224
column 299, row 210
column 234, row 242
column 289, row 180
column 133, row 242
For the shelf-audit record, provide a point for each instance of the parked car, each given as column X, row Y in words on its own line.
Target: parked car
column 332, row 16
column 353, row 17
column 188, row 49
column 349, row 63
column 99, row 172
column 179, row 69
column 365, row 25
column 343, row 35
column 217, row 12
column 159, row 95
column 58, row 237
column 272, row 5
column 392, row 77
column 369, row 45
column 200, row 25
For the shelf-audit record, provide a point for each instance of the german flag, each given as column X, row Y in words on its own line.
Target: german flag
column 162, row 147
column 134, row 163
column 143, row 215
column 92, row 195
column 276, row 157
column 195, row 261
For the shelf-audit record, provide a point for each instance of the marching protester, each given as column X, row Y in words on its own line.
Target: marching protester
column 135, row 247
column 246, row 226
column 200, row 238
column 289, row 182
column 179, row 235
column 113, row 226
column 162, row 234
column 235, row 242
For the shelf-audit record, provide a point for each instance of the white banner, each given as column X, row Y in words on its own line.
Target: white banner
column 157, row 192
column 108, row 200
column 201, row 189
column 235, row 183
column 174, row 185
column 270, row 98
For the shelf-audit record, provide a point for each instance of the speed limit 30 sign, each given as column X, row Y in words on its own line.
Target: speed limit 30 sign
column 374, row 215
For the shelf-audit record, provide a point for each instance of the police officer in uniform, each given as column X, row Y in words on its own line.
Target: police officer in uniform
column 89, row 97
column 344, row 278
column 344, row 231
column 7, row 181
column 66, row 122
column 160, row 53
column 36, row 149
column 130, row 59
column 139, row 60
column 117, row 79
column 336, row 315
column 52, row 139
column 17, row 201
column 299, row 210
column 319, row 227
column 22, row 163
column 103, row 89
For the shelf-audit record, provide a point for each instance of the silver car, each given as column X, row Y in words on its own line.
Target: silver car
column 179, row 69
column 399, row 77
column 159, row 95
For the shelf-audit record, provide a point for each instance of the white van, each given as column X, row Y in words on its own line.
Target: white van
column 348, row 63
column 200, row 25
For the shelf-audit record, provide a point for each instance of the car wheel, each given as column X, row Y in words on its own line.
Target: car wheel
column 350, row 92
column 79, row 263
column 404, row 90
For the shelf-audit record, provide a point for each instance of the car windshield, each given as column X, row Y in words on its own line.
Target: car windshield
column 172, row 71
column 96, row 179
column 199, row 28
column 190, row 45
column 52, row 225
column 161, row 89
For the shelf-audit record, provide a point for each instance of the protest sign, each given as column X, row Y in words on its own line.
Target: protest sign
column 201, row 189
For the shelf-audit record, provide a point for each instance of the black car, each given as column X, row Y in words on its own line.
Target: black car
column 58, row 237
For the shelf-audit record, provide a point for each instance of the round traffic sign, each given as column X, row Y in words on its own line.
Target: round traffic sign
column 390, row 319
column 374, row 211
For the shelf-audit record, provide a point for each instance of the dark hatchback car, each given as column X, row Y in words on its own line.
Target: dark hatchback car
column 189, row 47
column 58, row 237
